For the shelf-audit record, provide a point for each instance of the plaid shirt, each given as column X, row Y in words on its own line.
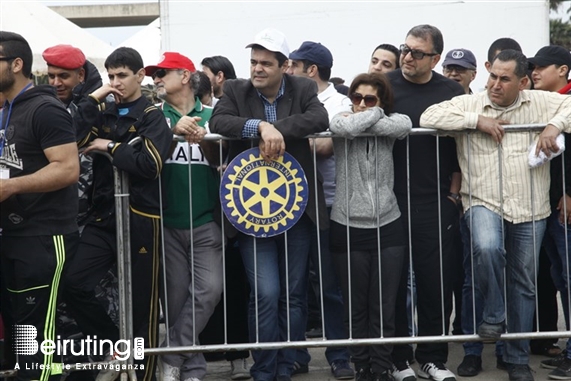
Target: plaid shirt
column 250, row 129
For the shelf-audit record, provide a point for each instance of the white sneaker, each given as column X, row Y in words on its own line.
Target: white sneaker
column 192, row 379
column 168, row 372
column 436, row 371
column 109, row 374
column 240, row 370
column 403, row 372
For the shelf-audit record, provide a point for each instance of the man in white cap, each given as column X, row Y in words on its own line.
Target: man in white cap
column 280, row 110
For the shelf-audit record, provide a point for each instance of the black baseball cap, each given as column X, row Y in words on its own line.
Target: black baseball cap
column 551, row 55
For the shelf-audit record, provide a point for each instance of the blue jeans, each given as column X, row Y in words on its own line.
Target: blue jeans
column 556, row 249
column 471, row 297
column 265, row 262
column 516, row 253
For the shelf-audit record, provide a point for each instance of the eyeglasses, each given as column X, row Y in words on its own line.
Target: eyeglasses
column 457, row 69
column 370, row 100
column 7, row 58
column 416, row 54
column 160, row 73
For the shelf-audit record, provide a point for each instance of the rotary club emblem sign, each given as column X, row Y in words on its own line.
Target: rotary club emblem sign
column 260, row 198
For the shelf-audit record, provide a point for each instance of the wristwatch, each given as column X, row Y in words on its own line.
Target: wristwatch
column 454, row 196
column 110, row 146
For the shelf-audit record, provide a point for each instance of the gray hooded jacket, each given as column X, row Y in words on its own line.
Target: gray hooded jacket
column 367, row 180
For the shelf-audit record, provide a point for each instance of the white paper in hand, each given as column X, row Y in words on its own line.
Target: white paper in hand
column 536, row 161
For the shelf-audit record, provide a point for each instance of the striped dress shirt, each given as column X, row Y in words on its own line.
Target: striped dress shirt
column 522, row 192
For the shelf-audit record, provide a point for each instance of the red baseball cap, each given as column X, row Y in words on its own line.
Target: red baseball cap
column 65, row 56
column 171, row 60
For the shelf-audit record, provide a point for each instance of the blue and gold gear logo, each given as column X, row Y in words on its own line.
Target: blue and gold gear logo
column 263, row 199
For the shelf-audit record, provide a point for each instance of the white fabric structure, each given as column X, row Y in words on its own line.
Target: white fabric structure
column 147, row 42
column 43, row 28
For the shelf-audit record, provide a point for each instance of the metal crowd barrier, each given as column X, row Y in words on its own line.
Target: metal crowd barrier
column 124, row 277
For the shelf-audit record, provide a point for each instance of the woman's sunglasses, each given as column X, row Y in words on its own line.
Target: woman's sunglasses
column 370, row 100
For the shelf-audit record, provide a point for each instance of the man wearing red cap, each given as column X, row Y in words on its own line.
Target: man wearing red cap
column 191, row 295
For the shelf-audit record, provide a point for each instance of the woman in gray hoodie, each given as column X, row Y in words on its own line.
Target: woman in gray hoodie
column 367, row 237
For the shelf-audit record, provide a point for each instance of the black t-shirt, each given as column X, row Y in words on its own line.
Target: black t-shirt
column 412, row 99
column 38, row 121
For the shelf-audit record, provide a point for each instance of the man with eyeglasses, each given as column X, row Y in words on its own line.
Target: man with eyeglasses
column 431, row 219
column 190, row 304
column 460, row 66
column 38, row 202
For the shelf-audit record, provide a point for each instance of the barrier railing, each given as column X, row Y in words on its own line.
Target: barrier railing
column 124, row 276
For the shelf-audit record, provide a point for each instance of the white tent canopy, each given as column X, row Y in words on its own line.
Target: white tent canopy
column 43, row 28
column 147, row 42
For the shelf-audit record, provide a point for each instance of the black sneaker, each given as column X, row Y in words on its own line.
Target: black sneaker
column 299, row 368
column 520, row 372
column 471, row 366
column 384, row 376
column 363, row 374
column 554, row 362
column 563, row 371
column 342, row 370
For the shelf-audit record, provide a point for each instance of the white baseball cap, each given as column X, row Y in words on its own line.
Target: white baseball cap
column 271, row 39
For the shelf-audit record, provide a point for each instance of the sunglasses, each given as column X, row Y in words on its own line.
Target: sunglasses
column 160, row 73
column 416, row 54
column 457, row 69
column 370, row 100
column 7, row 58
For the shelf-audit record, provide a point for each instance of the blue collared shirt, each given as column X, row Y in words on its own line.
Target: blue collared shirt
column 250, row 129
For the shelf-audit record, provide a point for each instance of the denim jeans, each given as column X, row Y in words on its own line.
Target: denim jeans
column 275, row 318
column 516, row 253
column 472, row 298
column 557, row 251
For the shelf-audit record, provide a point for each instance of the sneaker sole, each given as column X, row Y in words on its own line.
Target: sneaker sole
column 426, row 376
column 544, row 366
column 240, row 376
column 562, row 376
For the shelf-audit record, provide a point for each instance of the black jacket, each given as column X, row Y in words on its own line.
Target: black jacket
column 143, row 162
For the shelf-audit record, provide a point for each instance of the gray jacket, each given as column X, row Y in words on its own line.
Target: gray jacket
column 364, row 167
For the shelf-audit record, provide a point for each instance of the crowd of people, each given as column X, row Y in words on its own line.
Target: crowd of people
column 399, row 229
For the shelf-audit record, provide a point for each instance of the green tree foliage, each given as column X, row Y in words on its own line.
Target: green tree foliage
column 559, row 30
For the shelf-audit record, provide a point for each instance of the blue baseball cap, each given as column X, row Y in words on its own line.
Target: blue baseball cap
column 461, row 57
column 313, row 52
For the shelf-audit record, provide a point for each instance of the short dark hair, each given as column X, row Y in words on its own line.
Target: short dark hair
column 323, row 72
column 519, row 59
column 204, row 85
column 502, row 44
column 390, row 48
column 14, row 45
column 381, row 83
column 124, row 56
column 279, row 56
column 220, row 64
column 425, row 31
